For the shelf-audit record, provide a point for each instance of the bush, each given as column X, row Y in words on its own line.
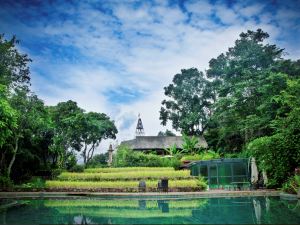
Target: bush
column 292, row 185
column 5, row 183
column 207, row 155
column 99, row 160
column 35, row 182
column 190, row 183
column 71, row 160
column 126, row 169
column 126, row 157
column 77, row 169
column 278, row 155
column 55, row 173
column 132, row 175
column 202, row 183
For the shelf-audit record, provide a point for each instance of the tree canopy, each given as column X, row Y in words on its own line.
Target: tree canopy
column 35, row 137
column 246, row 102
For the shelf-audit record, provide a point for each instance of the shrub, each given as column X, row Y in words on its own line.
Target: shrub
column 126, row 169
column 132, row 175
column 190, row 183
column 207, row 155
column 202, row 183
column 126, row 157
column 292, row 185
column 55, row 173
column 5, row 183
column 35, row 182
column 191, row 157
column 99, row 160
column 278, row 155
column 77, row 169
column 71, row 161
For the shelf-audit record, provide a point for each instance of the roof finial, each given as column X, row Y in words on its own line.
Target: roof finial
column 139, row 127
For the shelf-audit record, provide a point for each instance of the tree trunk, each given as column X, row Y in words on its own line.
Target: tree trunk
column 84, row 154
column 15, row 150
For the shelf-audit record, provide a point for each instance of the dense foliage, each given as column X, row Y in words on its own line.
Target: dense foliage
column 126, row 157
column 247, row 103
column 36, row 139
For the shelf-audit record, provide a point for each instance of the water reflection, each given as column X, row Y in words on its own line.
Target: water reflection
column 253, row 210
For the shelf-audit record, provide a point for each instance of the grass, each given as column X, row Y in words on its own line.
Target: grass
column 127, row 169
column 130, row 175
column 54, row 184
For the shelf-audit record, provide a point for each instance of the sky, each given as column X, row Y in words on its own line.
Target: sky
column 115, row 56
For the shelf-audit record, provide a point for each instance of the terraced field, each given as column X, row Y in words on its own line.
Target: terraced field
column 125, row 179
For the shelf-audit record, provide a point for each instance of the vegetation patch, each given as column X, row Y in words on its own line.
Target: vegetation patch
column 127, row 169
column 130, row 175
column 151, row 185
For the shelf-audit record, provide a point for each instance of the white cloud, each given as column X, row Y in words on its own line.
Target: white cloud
column 138, row 48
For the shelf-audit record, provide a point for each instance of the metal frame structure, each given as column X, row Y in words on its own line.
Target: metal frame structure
column 219, row 172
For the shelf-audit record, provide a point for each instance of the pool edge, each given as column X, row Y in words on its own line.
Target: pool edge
column 206, row 194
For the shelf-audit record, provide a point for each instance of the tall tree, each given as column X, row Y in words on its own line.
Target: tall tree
column 91, row 128
column 14, row 70
column 189, row 102
column 243, row 75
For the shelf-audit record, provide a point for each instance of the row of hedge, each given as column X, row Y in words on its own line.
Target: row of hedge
column 130, row 175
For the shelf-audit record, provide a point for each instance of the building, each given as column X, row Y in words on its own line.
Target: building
column 156, row 143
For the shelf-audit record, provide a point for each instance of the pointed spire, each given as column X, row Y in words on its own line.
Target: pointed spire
column 139, row 127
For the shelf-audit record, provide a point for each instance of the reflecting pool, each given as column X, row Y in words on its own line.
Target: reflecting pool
column 238, row 210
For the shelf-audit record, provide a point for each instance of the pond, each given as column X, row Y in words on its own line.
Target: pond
column 84, row 210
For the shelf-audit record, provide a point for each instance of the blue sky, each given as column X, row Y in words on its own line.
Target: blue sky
column 116, row 56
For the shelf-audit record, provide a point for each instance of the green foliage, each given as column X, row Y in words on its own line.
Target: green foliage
column 34, row 183
column 174, row 151
column 55, row 173
column 194, row 183
column 99, row 160
column 279, row 154
column 126, row 157
column 202, row 183
column 207, row 155
column 8, row 117
column 133, row 175
column 76, row 168
column 292, row 185
column 189, row 144
column 126, row 169
column 5, row 183
column 189, row 102
column 166, row 133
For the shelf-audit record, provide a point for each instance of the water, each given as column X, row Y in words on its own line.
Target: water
column 238, row 210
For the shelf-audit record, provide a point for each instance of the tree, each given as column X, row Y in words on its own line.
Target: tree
column 279, row 154
column 99, row 160
column 65, row 136
column 91, row 128
column 244, row 92
column 189, row 103
column 14, row 70
column 166, row 133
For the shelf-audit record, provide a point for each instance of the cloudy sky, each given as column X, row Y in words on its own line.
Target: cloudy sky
column 116, row 56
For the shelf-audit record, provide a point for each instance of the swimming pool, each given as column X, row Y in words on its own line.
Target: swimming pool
column 85, row 210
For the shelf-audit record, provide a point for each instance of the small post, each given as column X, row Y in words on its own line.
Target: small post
column 110, row 154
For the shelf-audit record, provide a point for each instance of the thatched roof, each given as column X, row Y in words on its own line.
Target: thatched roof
column 159, row 142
